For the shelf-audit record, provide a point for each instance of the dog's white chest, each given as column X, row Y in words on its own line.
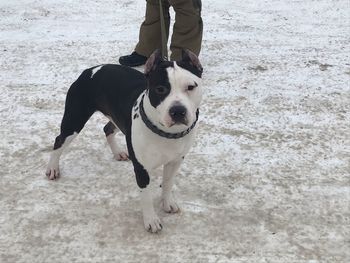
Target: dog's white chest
column 153, row 150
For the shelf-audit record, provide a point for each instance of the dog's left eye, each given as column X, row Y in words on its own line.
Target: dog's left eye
column 191, row 87
column 161, row 90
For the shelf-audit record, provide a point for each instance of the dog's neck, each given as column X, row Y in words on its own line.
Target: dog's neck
column 151, row 119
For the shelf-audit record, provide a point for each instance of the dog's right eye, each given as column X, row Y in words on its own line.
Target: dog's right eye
column 191, row 87
column 161, row 90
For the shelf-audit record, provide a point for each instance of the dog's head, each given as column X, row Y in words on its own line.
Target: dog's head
column 174, row 88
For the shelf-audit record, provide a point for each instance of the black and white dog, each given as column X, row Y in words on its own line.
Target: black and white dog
column 157, row 112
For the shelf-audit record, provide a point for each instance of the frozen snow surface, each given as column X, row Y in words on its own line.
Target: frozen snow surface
column 268, row 177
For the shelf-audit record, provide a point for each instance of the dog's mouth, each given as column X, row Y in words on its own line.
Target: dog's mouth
column 180, row 122
column 173, row 123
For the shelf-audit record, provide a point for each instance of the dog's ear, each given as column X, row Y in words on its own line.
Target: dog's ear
column 153, row 61
column 191, row 58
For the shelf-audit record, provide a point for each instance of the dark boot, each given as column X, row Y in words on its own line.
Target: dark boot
column 132, row 60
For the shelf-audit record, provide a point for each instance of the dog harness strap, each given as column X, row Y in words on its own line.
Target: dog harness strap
column 160, row 132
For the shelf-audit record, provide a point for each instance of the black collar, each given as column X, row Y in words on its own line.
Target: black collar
column 160, row 132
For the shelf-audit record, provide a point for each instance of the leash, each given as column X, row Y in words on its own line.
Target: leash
column 163, row 32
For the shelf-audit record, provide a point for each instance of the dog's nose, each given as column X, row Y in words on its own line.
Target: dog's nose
column 178, row 113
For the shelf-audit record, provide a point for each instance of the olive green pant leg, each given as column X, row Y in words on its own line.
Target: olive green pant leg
column 188, row 27
column 150, row 34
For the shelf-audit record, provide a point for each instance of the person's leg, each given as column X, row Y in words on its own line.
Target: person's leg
column 188, row 27
column 150, row 34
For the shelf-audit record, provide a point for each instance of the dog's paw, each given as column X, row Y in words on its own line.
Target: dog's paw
column 169, row 205
column 152, row 223
column 52, row 173
column 121, row 156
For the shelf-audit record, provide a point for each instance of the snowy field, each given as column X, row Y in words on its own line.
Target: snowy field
column 268, row 177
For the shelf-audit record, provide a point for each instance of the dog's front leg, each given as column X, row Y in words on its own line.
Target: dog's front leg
column 169, row 204
column 150, row 219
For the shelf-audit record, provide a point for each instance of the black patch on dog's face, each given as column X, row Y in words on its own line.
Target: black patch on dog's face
column 158, row 83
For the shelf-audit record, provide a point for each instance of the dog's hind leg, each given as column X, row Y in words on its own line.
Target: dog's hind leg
column 61, row 142
column 110, row 130
column 77, row 113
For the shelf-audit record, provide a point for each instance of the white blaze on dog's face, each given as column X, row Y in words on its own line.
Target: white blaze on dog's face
column 175, row 90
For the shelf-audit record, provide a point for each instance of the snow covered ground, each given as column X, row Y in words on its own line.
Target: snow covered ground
column 268, row 178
